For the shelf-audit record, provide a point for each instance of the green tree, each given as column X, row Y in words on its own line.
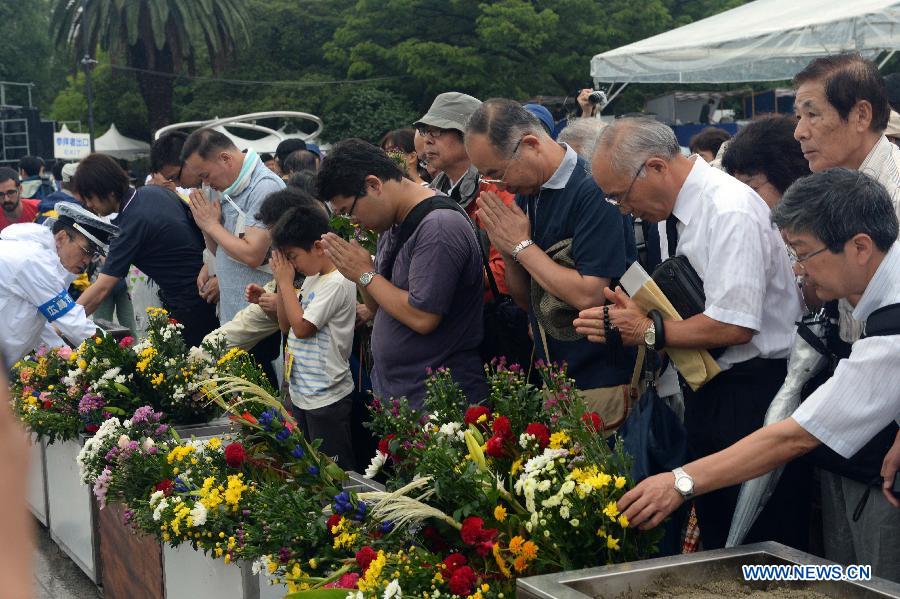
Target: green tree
column 156, row 38
column 27, row 52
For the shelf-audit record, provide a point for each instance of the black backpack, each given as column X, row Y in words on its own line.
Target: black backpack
column 865, row 465
column 505, row 324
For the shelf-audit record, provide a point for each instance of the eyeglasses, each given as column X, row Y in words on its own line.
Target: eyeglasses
column 88, row 252
column 426, row 130
column 502, row 179
column 10, row 193
column 799, row 260
column 355, row 200
column 619, row 199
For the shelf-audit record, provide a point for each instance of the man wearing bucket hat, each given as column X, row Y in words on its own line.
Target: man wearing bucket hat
column 442, row 129
column 37, row 265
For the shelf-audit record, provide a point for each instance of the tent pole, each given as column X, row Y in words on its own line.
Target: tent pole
column 612, row 95
column 886, row 58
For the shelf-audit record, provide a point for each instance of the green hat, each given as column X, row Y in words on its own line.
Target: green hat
column 450, row 110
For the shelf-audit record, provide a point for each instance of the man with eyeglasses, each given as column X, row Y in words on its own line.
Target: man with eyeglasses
column 557, row 202
column 37, row 264
column 425, row 285
column 842, row 229
column 722, row 227
column 15, row 208
column 442, row 129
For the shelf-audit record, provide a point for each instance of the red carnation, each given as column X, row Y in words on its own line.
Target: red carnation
column 165, row 485
column 593, row 421
column 474, row 413
column 173, row 321
column 91, row 428
column 494, row 447
column 234, row 455
column 384, row 446
column 332, row 522
column 463, row 581
column 501, row 427
column 473, row 531
column 364, row 557
column 126, row 341
column 453, row 562
column 540, row 432
column 47, row 404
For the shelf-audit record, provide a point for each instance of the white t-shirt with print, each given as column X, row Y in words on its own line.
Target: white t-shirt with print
column 319, row 365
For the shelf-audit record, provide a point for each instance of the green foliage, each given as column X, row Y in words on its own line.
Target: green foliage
column 367, row 113
column 27, row 52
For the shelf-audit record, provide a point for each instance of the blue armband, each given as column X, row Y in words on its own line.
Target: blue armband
column 57, row 307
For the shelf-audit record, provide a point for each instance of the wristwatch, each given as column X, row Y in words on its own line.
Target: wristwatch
column 521, row 246
column 684, row 484
column 366, row 278
column 650, row 336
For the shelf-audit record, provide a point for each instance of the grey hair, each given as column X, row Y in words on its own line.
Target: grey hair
column 632, row 141
column 835, row 205
column 505, row 123
column 582, row 135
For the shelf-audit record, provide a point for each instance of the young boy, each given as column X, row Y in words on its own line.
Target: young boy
column 321, row 323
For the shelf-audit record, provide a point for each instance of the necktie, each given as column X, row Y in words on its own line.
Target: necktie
column 672, row 234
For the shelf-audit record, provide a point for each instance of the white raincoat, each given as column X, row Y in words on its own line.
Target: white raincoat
column 34, row 293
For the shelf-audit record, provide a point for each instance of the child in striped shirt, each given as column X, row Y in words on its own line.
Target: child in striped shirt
column 320, row 324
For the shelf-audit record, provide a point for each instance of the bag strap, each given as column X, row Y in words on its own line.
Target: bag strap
column 409, row 226
column 883, row 322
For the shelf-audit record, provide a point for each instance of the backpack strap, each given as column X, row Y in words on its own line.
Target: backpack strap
column 409, row 226
column 883, row 322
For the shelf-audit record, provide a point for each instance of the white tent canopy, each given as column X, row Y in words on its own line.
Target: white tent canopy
column 765, row 40
column 118, row 146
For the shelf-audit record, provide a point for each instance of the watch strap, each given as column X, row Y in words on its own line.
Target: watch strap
column 521, row 246
column 660, row 327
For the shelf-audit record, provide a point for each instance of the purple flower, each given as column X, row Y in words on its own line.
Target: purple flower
column 145, row 414
column 314, row 470
column 101, row 486
column 298, row 452
column 161, row 429
column 89, row 402
column 283, row 434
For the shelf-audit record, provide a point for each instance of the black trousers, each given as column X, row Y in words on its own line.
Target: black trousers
column 199, row 320
column 722, row 412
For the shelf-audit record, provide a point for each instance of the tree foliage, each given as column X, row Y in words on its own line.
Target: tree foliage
column 325, row 54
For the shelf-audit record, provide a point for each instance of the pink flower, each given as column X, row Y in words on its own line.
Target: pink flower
column 126, row 341
column 347, row 581
column 65, row 352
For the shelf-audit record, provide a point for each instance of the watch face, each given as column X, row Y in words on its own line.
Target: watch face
column 684, row 484
column 650, row 337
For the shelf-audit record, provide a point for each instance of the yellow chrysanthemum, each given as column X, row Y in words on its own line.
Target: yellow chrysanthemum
column 612, row 543
column 611, row 511
column 500, row 513
column 559, row 440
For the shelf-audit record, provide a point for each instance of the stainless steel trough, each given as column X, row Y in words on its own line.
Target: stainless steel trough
column 647, row 577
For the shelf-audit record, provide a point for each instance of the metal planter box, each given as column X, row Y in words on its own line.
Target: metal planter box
column 72, row 511
column 36, row 492
column 633, row 579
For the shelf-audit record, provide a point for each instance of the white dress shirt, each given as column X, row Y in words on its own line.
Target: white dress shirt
column 725, row 231
column 863, row 394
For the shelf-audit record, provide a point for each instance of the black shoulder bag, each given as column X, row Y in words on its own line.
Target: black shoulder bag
column 865, row 465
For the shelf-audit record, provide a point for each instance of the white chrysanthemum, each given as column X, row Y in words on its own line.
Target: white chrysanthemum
column 160, row 508
column 574, row 522
column 393, row 590
column 526, row 440
column 120, row 379
column 567, row 487
column 198, row 514
column 450, row 429
column 375, row 465
column 155, row 496
column 111, row 374
column 564, row 512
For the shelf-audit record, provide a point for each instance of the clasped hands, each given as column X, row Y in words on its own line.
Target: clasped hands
column 623, row 314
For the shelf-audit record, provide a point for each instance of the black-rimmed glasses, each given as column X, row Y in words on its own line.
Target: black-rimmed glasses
column 619, row 199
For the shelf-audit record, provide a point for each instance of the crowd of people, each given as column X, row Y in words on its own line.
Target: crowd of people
column 503, row 232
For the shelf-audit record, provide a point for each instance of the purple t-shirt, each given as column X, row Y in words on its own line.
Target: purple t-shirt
column 440, row 265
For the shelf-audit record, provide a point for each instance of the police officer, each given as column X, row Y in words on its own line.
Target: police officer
column 37, row 264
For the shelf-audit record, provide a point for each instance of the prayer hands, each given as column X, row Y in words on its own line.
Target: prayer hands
column 262, row 298
column 210, row 290
column 624, row 314
column 206, row 213
column 651, row 502
column 506, row 226
column 350, row 258
column 283, row 271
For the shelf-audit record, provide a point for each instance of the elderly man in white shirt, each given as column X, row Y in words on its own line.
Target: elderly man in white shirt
column 841, row 228
column 752, row 301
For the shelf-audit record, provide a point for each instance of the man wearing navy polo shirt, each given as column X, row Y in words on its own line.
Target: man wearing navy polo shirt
column 556, row 200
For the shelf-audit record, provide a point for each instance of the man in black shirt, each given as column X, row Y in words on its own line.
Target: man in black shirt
column 156, row 234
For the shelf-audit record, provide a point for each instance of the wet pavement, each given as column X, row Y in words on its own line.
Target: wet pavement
column 55, row 575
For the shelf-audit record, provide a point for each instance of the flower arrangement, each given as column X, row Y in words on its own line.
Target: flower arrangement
column 60, row 393
column 475, row 495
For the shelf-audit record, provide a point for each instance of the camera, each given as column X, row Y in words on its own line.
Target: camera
column 597, row 97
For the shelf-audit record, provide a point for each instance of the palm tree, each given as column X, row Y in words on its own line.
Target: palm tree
column 156, row 38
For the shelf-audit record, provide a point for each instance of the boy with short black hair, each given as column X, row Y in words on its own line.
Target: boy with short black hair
column 321, row 323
